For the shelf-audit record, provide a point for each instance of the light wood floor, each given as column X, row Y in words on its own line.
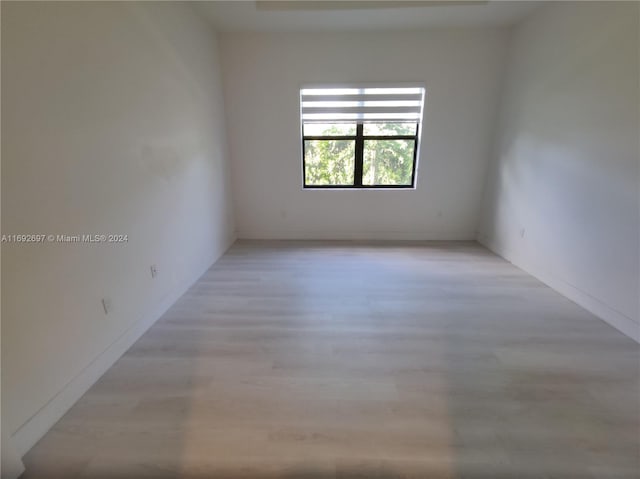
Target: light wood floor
column 343, row 360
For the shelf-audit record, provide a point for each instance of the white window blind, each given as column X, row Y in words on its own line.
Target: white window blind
column 361, row 104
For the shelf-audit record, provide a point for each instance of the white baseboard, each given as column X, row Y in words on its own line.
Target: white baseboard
column 37, row 426
column 622, row 323
column 326, row 235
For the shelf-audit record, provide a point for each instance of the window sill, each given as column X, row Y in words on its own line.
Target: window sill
column 349, row 188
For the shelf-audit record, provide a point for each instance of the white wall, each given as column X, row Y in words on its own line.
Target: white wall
column 262, row 75
column 562, row 196
column 11, row 465
column 112, row 122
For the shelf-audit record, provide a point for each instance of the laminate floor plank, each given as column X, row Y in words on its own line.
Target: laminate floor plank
column 344, row 360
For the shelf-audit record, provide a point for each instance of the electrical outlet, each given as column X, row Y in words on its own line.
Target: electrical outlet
column 154, row 271
column 106, row 305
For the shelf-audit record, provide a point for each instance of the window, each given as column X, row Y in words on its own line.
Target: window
column 360, row 137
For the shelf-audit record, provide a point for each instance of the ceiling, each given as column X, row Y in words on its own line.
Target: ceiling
column 301, row 15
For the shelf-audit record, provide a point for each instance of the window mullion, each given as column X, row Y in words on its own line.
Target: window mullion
column 358, row 167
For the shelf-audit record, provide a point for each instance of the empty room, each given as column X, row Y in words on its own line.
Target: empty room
column 320, row 239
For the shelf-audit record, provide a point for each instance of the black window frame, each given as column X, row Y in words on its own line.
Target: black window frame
column 358, row 169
